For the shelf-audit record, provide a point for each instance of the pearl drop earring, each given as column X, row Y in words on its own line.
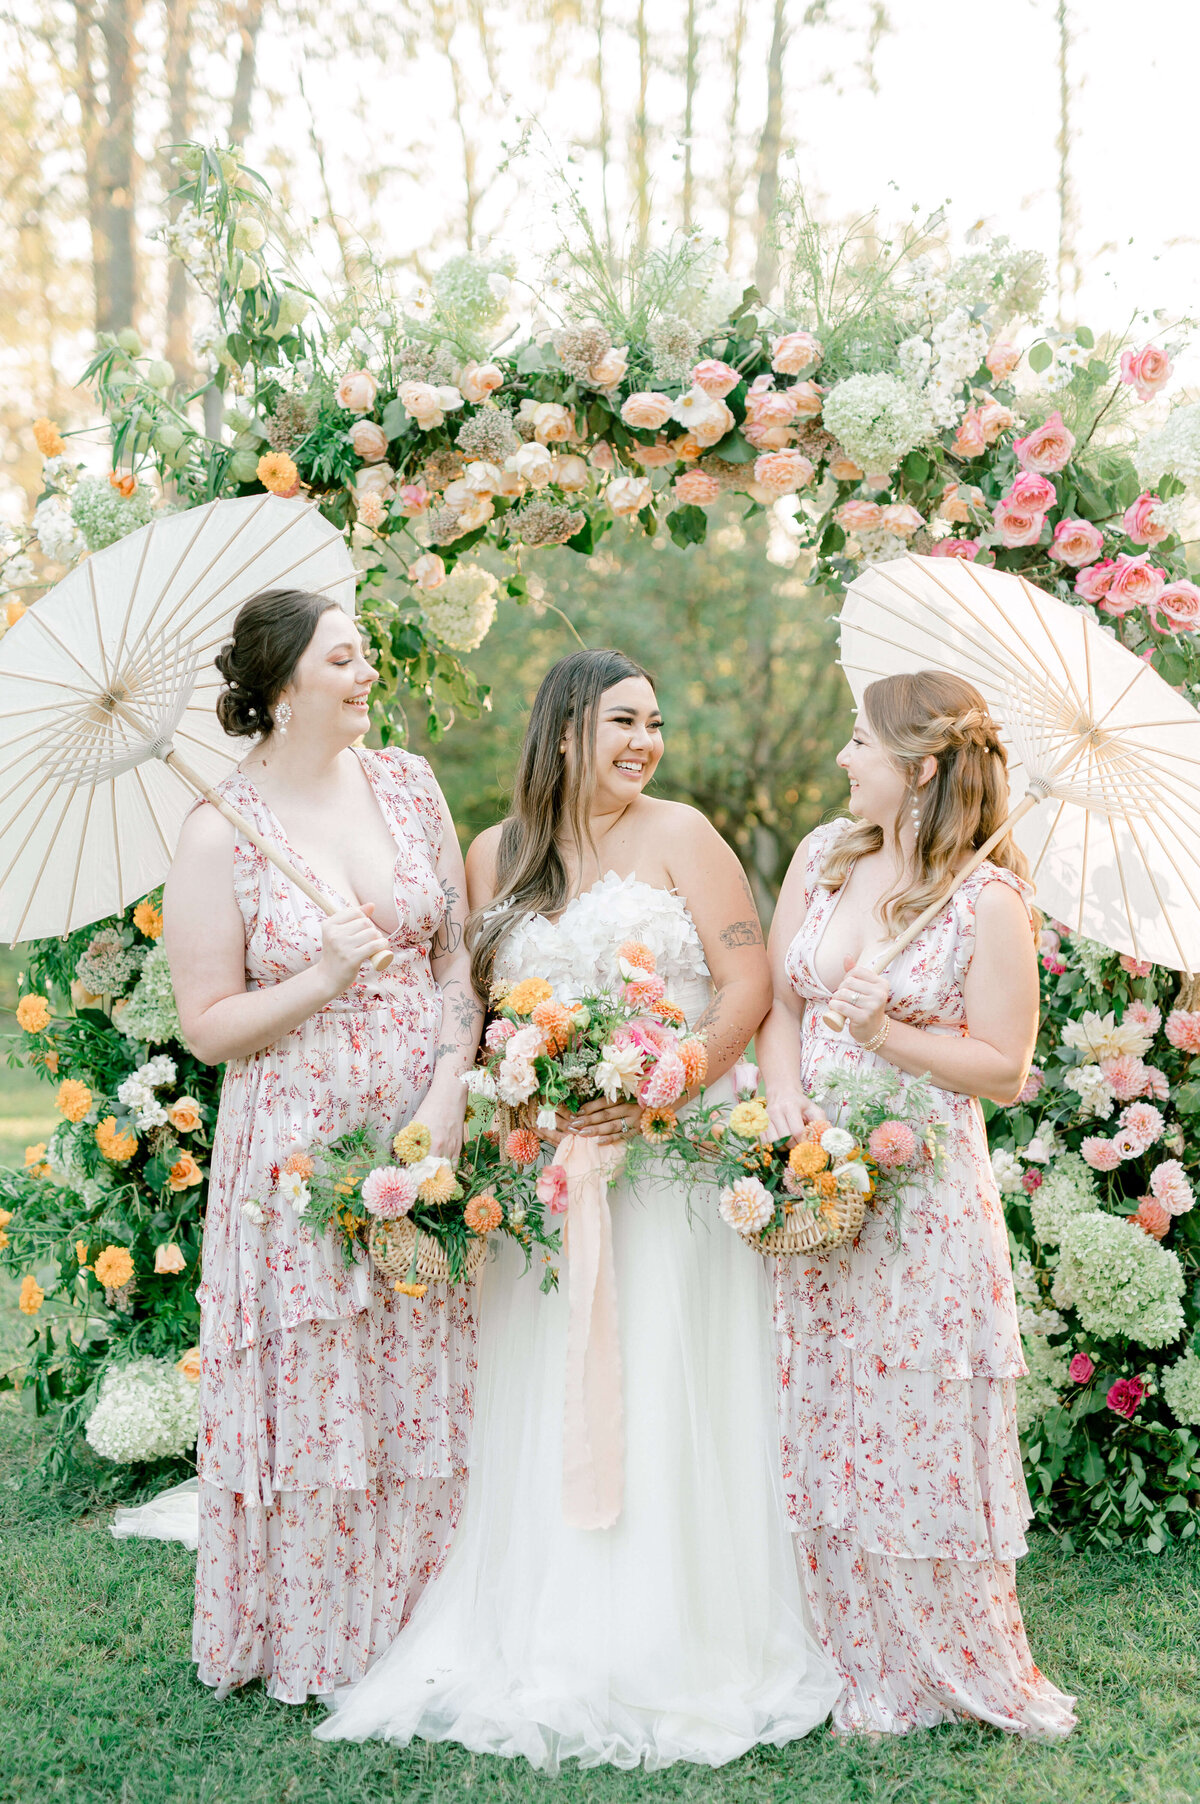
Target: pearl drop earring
column 283, row 714
column 916, row 817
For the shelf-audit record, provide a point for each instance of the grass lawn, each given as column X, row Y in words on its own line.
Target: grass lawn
column 27, row 1111
column 98, row 1703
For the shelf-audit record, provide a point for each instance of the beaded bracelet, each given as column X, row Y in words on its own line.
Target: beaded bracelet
column 873, row 1044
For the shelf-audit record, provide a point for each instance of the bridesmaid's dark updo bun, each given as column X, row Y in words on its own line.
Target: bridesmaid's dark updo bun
column 270, row 635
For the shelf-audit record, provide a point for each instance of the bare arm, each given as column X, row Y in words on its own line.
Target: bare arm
column 778, row 1040
column 1001, row 997
column 707, row 874
column 205, row 942
column 445, row 1103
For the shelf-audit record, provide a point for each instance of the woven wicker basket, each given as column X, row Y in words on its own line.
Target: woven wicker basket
column 811, row 1231
column 392, row 1244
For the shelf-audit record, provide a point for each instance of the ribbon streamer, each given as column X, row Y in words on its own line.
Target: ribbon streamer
column 593, row 1485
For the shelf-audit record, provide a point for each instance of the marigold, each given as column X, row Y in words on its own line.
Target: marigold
column 522, row 1146
column 81, row 1252
column 825, row 1184
column 73, row 1098
column 50, row 1061
column 184, row 1173
column 524, row 997
column 694, row 1054
column 117, row 1147
column 34, row 1156
column 483, row 1214
column 33, row 1013
column 32, row 1295
column 658, row 1125
column 147, row 918
column 748, row 1119
column 3, row 1239
column 114, row 1267
column 278, row 473
column 184, row 1114
column 412, row 1143
column 48, row 438
column 301, row 1164
column 636, row 952
column 410, row 1290
column 439, row 1187
column 555, row 1023
column 807, row 1158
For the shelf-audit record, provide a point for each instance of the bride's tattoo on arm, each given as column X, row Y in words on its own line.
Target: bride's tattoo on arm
column 742, row 933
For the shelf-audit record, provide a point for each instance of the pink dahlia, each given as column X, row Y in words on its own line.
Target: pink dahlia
column 1032, row 1084
column 1080, row 1369
column 1127, row 1075
column 498, row 1033
column 389, row 1191
column 1152, row 1217
column 665, row 1084
column 1183, row 1029
column 1125, row 1395
column 644, row 992
column 1148, row 1018
column 1169, row 1183
column 1143, row 1121
column 1136, row 967
column 892, row 1144
column 552, row 1189
column 1099, row 1153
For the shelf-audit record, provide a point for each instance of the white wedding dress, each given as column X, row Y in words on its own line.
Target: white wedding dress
column 681, row 1632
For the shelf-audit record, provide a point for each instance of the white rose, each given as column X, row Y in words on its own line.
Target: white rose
column 1042, row 1148
column 629, row 494
column 533, row 464
column 1007, row 1171
column 837, row 1142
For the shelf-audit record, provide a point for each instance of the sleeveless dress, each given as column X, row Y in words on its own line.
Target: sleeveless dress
column 333, row 1412
column 898, row 1360
column 680, row 1633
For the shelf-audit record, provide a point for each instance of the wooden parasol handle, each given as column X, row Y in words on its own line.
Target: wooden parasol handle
column 381, row 960
column 894, row 948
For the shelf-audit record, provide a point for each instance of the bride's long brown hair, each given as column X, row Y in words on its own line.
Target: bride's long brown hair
column 929, row 713
column 551, row 792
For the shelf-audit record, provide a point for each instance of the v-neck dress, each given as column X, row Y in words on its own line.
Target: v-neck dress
column 898, row 1360
column 334, row 1413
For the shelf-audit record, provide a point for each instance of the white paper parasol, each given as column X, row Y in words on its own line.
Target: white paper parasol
column 1104, row 756
column 108, row 728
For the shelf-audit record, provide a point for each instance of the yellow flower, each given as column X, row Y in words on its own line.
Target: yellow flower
column 189, row 1365
column 748, row 1119
column 147, row 918
column 412, row 1143
column 81, row 1251
column 73, row 1098
column 114, row 1267
column 34, row 1160
column 410, row 1290
column 116, row 1147
column 5, row 1217
column 807, row 1158
column 278, row 473
column 32, row 1295
column 48, row 439
column 524, row 997
column 184, row 1173
column 33, row 1014
column 439, row 1187
column 184, row 1114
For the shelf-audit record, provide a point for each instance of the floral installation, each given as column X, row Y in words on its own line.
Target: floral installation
column 148, row 1409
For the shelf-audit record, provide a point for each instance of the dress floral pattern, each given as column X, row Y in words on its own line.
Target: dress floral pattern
column 898, row 1360
column 334, row 1413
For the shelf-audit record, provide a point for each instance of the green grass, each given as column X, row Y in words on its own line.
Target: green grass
column 27, row 1111
column 99, row 1705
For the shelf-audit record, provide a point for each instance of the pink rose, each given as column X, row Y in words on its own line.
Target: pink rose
column 369, row 441
column 356, row 391
column 783, row 472
column 966, row 549
column 1047, row 448
column 715, row 378
column 1017, row 526
column 1124, row 1397
column 1032, row 1180
column 696, row 488
column 479, row 380
column 1031, row 493
column 902, row 519
column 552, row 1189
column 843, row 468
column 1076, row 542
column 1002, row 359
column 969, row 440
column 995, row 418
column 1032, row 1085
column 766, row 438
column 646, row 410
column 1080, row 1369
column 1146, row 370
column 1180, row 602
column 1140, row 524
column 767, row 405
column 1092, row 584
column 859, row 516
column 1100, row 1154
column 428, row 572
column 745, row 1080
column 413, row 499
column 1135, row 583
column 807, row 400
column 601, row 455
column 608, row 370
column 793, row 352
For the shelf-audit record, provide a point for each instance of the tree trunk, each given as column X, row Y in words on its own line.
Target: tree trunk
column 118, row 23
column 179, row 128
column 689, row 104
column 1067, row 264
column 769, row 146
column 641, row 132
column 603, row 126
column 732, row 175
column 249, row 25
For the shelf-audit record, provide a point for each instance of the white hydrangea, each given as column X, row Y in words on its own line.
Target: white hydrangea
column 1096, row 1095
column 57, row 534
column 1008, row 1171
column 1121, row 1282
column 1040, row 1321
column 151, row 1014
column 461, row 612
column 1025, row 1280
column 1068, row 1190
column 877, row 419
column 158, row 1071
column 1173, row 450
column 1040, row 1391
column 147, row 1410
column 18, row 572
column 1091, row 957
column 1181, row 1388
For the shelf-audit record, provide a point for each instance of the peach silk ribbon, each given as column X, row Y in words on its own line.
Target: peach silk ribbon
column 593, row 1484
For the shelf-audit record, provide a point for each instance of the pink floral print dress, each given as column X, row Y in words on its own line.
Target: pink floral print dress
column 333, row 1412
column 898, row 1360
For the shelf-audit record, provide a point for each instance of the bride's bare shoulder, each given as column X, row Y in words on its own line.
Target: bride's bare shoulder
column 675, row 824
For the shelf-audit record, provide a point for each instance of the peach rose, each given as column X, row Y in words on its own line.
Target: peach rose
column 479, row 380
column 356, row 391
column 471, row 507
column 652, row 457
column 368, row 441
column 533, row 464
column 967, row 549
column 481, row 476
column 414, row 499
column 1147, row 370
column 696, row 488
column 1017, row 526
column 1180, row 602
column 184, row 1114
column 552, row 422
column 1076, row 542
column 184, row 1173
column 783, row 472
column 957, row 501
column 601, row 456
column 1140, row 524
column 610, row 369
column 168, row 1258
column 1092, row 584
column 901, row 518
column 995, row 418
column 859, row 516
column 715, row 378
column 629, row 494
column 428, row 572
column 646, row 410
column 843, row 468
column 570, row 473
column 375, row 479
column 189, row 1365
column 706, row 418
column 1047, row 448
column 767, row 405
column 808, row 398
column 1136, row 583
column 1002, row 359
column 428, row 405
column 970, row 439
column 795, row 351
column 686, row 448
column 767, row 438
column 512, row 486
column 1030, row 492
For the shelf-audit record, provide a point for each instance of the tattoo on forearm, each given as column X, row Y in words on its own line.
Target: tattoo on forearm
column 741, row 933
column 448, row 937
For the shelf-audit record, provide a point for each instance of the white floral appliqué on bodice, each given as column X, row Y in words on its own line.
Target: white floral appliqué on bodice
column 577, row 954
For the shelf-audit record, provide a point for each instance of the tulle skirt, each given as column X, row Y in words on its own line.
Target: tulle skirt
column 681, row 1633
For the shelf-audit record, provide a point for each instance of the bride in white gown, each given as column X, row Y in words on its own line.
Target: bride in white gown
column 679, row 1633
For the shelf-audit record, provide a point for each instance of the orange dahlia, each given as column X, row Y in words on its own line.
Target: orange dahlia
column 522, row 1146
column 301, row 1164
column 658, row 1125
column 636, row 952
column 825, row 1184
column 555, row 1023
column 669, row 1011
column 807, row 1158
column 483, row 1214
column 694, row 1054
column 114, row 1267
column 524, row 997
column 33, row 1014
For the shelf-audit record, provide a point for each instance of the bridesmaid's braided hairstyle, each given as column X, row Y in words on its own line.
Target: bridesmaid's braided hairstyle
column 270, row 635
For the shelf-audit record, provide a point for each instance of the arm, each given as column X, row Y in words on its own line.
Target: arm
column 1001, row 996
column 445, row 1102
column 778, row 1040
column 205, row 942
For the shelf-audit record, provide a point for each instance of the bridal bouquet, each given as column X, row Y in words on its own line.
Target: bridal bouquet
column 811, row 1194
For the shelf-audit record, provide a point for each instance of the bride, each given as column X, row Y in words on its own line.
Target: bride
column 680, row 1632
